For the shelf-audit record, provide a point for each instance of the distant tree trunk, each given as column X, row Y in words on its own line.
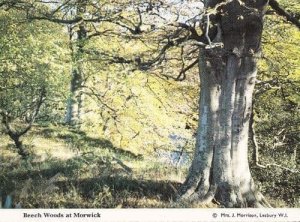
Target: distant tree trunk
column 220, row 168
column 76, row 98
column 74, row 103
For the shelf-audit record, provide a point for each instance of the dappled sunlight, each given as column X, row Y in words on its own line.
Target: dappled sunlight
column 89, row 177
column 44, row 148
column 149, row 103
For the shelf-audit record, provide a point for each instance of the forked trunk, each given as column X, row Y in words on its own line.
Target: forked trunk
column 220, row 169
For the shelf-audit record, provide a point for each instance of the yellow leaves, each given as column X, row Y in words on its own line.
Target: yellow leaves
column 131, row 105
column 280, row 49
column 146, row 107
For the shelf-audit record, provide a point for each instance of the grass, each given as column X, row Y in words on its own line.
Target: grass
column 69, row 169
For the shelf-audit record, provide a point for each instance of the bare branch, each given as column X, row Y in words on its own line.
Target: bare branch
column 281, row 11
column 279, row 166
column 98, row 96
column 36, row 110
column 182, row 73
column 56, row 20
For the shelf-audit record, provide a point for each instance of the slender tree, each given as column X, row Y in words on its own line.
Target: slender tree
column 29, row 73
column 16, row 133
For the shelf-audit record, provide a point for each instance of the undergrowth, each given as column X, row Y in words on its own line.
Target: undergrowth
column 69, row 169
column 92, row 173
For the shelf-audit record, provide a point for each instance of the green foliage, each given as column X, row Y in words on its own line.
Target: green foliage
column 31, row 62
column 129, row 115
column 277, row 115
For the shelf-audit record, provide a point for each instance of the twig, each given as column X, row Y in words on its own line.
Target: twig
column 279, row 166
column 281, row 11
column 207, row 30
column 256, row 153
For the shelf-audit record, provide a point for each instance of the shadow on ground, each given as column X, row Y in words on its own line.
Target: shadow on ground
column 80, row 140
column 56, row 183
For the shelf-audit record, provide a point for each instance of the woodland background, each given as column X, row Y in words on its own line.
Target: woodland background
column 122, row 133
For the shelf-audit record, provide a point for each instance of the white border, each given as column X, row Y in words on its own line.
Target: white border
column 152, row 215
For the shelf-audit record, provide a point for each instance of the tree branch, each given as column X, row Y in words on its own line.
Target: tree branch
column 93, row 93
column 256, row 152
column 182, row 75
column 56, row 20
column 279, row 166
column 281, row 11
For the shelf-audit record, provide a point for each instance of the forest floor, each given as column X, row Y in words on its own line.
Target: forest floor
column 69, row 169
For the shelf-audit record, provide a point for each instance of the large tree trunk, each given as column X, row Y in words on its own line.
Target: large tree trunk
column 220, row 169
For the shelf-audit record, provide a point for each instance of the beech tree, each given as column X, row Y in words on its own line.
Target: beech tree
column 228, row 69
column 75, row 100
column 229, row 47
column 227, row 35
column 229, row 43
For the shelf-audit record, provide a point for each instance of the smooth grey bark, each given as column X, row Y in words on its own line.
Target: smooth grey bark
column 76, row 98
column 220, row 168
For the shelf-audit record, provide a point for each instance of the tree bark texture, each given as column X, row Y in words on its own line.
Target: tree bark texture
column 16, row 133
column 220, row 169
column 19, row 145
column 76, row 98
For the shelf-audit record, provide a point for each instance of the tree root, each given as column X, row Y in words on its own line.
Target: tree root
column 261, row 201
column 252, row 199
